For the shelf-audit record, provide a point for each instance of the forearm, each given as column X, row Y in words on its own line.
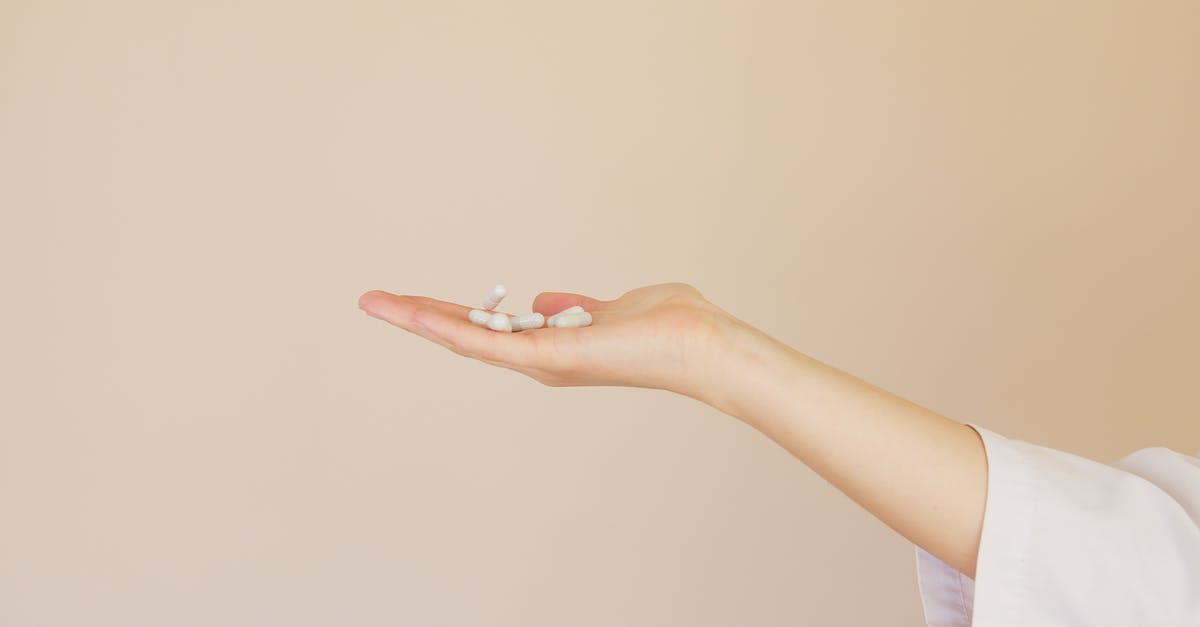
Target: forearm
column 922, row 474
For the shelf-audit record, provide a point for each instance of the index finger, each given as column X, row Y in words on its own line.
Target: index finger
column 446, row 324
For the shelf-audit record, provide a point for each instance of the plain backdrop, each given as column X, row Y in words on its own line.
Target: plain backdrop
column 992, row 209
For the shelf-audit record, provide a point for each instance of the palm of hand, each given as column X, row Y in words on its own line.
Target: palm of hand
column 652, row 336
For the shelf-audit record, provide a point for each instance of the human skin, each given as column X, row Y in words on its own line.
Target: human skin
column 918, row 472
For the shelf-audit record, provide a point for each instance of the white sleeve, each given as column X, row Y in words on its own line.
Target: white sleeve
column 1070, row 541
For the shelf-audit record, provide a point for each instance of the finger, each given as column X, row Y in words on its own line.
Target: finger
column 452, row 330
column 550, row 303
column 398, row 309
column 392, row 308
column 446, row 324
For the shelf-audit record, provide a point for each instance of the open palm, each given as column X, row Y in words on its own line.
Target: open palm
column 660, row 336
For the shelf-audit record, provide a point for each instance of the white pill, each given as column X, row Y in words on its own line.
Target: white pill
column 569, row 310
column 494, row 297
column 479, row 316
column 570, row 320
column 499, row 322
column 527, row 321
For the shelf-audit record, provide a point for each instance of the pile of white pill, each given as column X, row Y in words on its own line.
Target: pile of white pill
column 496, row 321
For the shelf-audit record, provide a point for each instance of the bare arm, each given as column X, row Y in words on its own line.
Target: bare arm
column 922, row 474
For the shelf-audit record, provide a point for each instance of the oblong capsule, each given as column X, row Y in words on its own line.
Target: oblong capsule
column 479, row 316
column 527, row 321
column 494, row 297
column 569, row 310
column 499, row 322
column 573, row 320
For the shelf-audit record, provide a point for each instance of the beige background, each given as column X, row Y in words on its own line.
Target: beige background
column 992, row 210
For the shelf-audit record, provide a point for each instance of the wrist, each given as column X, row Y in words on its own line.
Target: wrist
column 740, row 364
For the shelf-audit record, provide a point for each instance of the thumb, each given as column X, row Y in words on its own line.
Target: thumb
column 550, row 303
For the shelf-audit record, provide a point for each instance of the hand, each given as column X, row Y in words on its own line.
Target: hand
column 890, row 455
column 662, row 336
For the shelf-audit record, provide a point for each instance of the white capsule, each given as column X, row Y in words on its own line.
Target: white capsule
column 479, row 316
column 569, row 310
column 527, row 321
column 494, row 297
column 571, row 320
column 499, row 322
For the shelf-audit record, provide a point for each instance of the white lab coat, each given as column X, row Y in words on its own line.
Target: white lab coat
column 1070, row 541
